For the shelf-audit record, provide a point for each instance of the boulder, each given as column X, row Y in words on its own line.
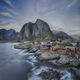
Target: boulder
column 74, row 62
column 63, row 60
column 48, row 56
column 22, row 46
column 69, row 61
column 49, row 75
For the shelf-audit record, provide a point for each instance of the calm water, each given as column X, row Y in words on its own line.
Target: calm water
column 16, row 64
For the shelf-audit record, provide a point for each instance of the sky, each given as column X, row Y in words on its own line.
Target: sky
column 59, row 14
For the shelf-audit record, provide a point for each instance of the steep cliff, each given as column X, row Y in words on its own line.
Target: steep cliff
column 40, row 27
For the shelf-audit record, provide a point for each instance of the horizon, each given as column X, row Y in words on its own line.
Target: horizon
column 64, row 14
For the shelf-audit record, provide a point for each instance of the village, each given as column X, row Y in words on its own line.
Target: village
column 58, row 52
column 61, row 52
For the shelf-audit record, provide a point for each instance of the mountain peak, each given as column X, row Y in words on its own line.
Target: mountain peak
column 34, row 29
column 40, row 20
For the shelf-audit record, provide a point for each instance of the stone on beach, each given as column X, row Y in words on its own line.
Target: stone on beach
column 48, row 56
column 22, row 46
column 33, row 50
column 63, row 60
column 74, row 62
column 50, row 75
column 70, row 61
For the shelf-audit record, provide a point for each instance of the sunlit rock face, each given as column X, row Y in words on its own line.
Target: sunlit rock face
column 34, row 29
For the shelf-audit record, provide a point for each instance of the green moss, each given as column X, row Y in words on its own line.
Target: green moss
column 66, row 43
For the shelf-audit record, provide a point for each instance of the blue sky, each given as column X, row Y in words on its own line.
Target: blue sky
column 58, row 14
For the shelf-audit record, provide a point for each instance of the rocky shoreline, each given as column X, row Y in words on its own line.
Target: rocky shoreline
column 64, row 60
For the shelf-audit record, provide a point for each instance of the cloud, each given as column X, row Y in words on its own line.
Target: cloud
column 12, row 11
column 13, row 25
column 9, row 3
column 2, row 23
column 55, row 12
column 44, row 6
column 71, row 4
column 7, row 14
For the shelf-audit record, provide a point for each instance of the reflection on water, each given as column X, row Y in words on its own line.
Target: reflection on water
column 16, row 64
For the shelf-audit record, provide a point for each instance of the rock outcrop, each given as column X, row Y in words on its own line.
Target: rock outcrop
column 34, row 29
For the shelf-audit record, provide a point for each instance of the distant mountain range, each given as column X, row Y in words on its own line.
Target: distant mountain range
column 30, row 29
column 61, row 35
column 8, row 35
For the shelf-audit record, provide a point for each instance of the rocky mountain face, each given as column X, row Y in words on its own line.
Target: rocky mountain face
column 7, row 35
column 30, row 29
column 61, row 35
column 39, row 28
column 34, row 29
